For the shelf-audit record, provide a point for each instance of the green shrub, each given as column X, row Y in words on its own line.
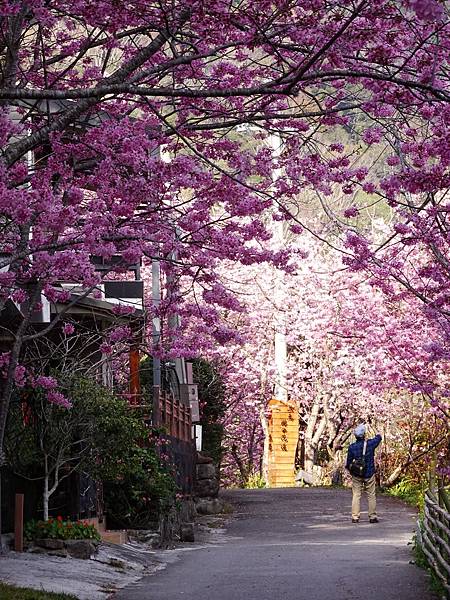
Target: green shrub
column 58, row 529
column 255, row 481
column 410, row 491
column 211, row 394
column 212, row 436
column 145, row 493
column 99, row 436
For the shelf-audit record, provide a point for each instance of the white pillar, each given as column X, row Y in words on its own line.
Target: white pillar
column 280, row 353
column 156, row 324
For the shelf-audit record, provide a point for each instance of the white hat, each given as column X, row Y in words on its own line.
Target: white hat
column 360, row 430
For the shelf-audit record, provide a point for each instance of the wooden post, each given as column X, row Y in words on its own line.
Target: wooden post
column 135, row 386
column 158, row 408
column 168, row 420
column 186, row 428
column 176, row 419
column 18, row 524
column 189, row 426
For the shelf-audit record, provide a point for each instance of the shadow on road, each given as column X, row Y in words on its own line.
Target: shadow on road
column 297, row 544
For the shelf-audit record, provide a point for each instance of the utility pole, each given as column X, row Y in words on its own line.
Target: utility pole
column 280, row 347
column 156, row 339
column 281, row 429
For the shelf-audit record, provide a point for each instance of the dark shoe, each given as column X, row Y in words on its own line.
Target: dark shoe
column 355, row 520
column 374, row 520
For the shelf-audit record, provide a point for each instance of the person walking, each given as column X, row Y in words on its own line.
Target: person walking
column 361, row 464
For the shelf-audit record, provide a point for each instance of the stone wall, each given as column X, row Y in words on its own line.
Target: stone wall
column 178, row 524
column 75, row 548
column 207, row 487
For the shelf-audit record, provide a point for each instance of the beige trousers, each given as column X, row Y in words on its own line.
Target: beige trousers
column 358, row 485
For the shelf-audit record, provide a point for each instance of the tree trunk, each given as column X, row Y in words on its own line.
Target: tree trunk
column 265, row 456
column 444, row 496
column 309, row 456
column 251, row 450
column 5, row 397
column 2, row 547
column 394, row 476
column 312, row 440
column 240, row 464
column 6, row 389
column 337, row 466
column 309, row 435
column 45, row 497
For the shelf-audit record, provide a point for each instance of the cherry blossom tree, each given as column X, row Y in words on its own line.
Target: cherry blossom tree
column 353, row 355
column 93, row 95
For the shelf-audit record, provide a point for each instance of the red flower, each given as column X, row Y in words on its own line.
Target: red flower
column 59, row 518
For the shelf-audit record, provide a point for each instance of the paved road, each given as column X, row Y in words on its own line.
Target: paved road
column 296, row 544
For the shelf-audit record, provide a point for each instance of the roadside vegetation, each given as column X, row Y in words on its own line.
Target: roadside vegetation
column 11, row 592
column 409, row 490
column 98, row 437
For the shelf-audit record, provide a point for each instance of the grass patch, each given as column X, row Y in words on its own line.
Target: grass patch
column 11, row 592
column 255, row 482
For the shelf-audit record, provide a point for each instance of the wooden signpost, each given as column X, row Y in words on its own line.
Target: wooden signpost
column 18, row 523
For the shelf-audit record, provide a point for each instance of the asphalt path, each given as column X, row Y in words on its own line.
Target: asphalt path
column 296, row 544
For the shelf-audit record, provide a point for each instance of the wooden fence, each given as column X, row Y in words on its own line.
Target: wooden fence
column 435, row 539
column 173, row 415
column 167, row 411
